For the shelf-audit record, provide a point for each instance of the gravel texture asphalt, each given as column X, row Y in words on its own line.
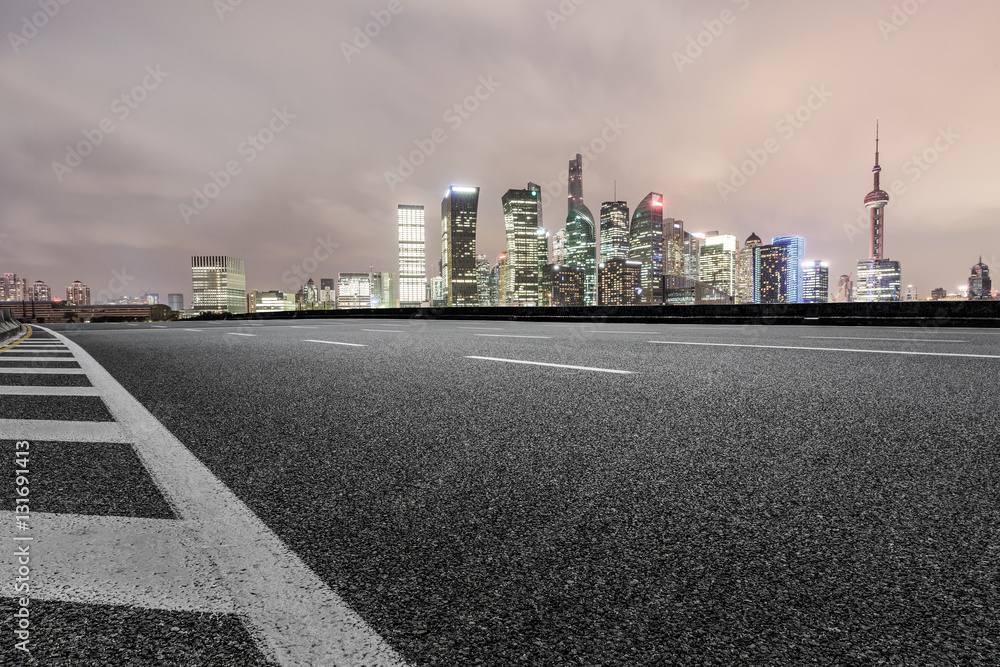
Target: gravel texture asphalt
column 719, row 506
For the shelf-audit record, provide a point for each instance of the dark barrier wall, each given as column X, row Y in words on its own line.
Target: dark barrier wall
column 905, row 313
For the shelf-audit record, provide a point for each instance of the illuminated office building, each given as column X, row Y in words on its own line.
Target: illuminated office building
column 815, row 282
column 412, row 256
column 41, row 292
column 520, row 214
column 354, row 290
column 619, row 282
column 483, row 280
column 980, row 284
column 614, row 230
column 717, row 263
column 778, row 270
column 673, row 247
column 563, row 285
column 559, row 247
column 744, row 270
column 542, row 240
column 646, row 245
column 581, row 249
column 219, row 285
column 77, row 294
column 383, row 289
column 459, row 212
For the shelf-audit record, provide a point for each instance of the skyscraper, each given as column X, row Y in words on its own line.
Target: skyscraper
column 619, row 282
column 483, row 280
column 646, row 245
column 77, row 294
column 520, row 215
column 412, row 256
column 354, row 290
column 563, row 285
column 980, row 284
column 41, row 292
column 745, row 271
column 503, row 282
column 673, row 247
column 614, row 230
column 575, row 183
column 310, row 294
column 543, row 259
column 13, row 288
column 778, row 270
column 879, row 279
column 693, row 243
column 559, row 247
column 459, row 212
column 717, row 263
column 219, row 285
column 581, row 249
column 383, row 289
column 815, row 282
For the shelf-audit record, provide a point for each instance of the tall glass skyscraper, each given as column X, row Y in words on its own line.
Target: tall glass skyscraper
column 575, row 183
column 717, row 263
column 778, row 270
column 559, row 247
column 543, row 259
column 412, row 256
column 219, row 284
column 459, row 212
column 581, row 249
column 520, row 215
column 483, row 280
column 619, row 282
column 980, row 283
column 646, row 245
column 745, row 271
column 614, row 230
column 673, row 247
column 815, row 282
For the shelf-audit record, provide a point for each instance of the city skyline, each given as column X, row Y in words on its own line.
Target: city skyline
column 118, row 210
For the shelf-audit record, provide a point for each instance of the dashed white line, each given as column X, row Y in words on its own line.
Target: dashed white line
column 539, row 363
column 194, row 330
column 482, row 328
column 830, row 349
column 895, row 340
column 509, row 336
column 333, row 342
column 644, row 333
column 382, row 330
column 240, row 334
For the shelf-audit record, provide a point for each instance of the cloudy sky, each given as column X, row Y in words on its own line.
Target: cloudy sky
column 116, row 112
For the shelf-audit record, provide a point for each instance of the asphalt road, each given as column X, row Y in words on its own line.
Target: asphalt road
column 683, row 495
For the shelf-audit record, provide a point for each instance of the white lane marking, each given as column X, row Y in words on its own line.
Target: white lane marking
column 122, row 561
column 240, row 334
column 36, row 390
column 62, row 431
column 896, row 340
column 383, row 330
column 538, row 363
column 333, row 342
column 194, row 330
column 509, row 336
column 831, row 349
column 291, row 611
column 299, row 326
column 4, row 357
column 159, row 326
column 644, row 333
column 43, row 371
column 38, row 350
column 132, row 324
column 483, row 328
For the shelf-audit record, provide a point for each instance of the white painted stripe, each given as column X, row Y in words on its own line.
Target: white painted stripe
column 35, row 390
column 194, row 330
column 4, row 357
column 832, row 349
column 538, row 363
column 299, row 326
column 159, row 326
column 509, row 336
column 644, row 333
column 483, row 328
column 382, row 330
column 897, row 340
column 43, row 371
column 240, row 334
column 292, row 612
column 122, row 561
column 39, row 350
column 62, row 431
column 333, row 342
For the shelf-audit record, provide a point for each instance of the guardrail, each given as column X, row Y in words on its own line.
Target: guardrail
column 10, row 328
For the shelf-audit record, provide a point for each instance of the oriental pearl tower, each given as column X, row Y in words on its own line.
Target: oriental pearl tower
column 876, row 202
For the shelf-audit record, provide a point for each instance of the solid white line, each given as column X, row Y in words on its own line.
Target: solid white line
column 382, row 330
column 4, row 357
column 240, row 334
column 508, row 336
column 33, row 390
column 897, row 340
column 644, row 333
column 831, row 349
column 120, row 561
column 538, row 363
column 43, row 371
column 333, row 342
column 483, row 328
column 62, row 431
column 293, row 614
column 299, row 326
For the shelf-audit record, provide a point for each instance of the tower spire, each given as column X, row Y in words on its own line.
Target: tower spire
column 877, row 170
